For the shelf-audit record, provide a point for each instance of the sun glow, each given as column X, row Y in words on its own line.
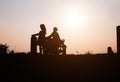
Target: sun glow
column 74, row 19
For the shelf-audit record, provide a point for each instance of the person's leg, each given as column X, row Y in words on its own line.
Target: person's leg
column 44, row 48
column 40, row 49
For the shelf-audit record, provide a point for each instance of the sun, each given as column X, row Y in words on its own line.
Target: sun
column 74, row 19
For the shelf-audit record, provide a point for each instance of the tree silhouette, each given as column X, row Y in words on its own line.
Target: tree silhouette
column 3, row 49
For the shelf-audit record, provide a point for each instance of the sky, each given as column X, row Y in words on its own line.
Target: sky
column 86, row 25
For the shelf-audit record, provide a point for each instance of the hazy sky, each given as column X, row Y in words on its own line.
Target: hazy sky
column 86, row 25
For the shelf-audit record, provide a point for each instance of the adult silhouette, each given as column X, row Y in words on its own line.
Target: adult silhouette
column 41, row 38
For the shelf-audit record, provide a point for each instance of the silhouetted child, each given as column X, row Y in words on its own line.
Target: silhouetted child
column 41, row 38
column 55, row 39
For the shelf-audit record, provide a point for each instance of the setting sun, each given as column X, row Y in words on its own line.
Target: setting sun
column 74, row 19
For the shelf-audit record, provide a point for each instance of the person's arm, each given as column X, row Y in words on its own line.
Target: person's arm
column 50, row 35
column 57, row 36
column 36, row 34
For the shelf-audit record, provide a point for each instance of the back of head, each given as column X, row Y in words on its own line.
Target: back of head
column 42, row 26
column 55, row 29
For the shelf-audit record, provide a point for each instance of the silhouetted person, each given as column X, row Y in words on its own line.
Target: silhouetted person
column 110, row 51
column 55, row 40
column 54, row 35
column 41, row 38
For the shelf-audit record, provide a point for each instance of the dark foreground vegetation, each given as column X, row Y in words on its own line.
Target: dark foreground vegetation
column 42, row 68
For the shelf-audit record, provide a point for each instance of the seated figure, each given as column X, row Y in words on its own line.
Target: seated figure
column 54, row 43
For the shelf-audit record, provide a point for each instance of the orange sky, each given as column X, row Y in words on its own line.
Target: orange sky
column 85, row 25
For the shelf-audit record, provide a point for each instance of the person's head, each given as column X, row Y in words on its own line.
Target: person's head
column 42, row 27
column 55, row 29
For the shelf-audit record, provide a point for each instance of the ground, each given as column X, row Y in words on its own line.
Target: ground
column 59, row 68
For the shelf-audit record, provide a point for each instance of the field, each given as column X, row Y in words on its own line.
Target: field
column 31, row 68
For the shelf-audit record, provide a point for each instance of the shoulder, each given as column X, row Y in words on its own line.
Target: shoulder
column 40, row 32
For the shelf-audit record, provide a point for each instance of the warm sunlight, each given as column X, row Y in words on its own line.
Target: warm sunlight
column 86, row 25
column 74, row 18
